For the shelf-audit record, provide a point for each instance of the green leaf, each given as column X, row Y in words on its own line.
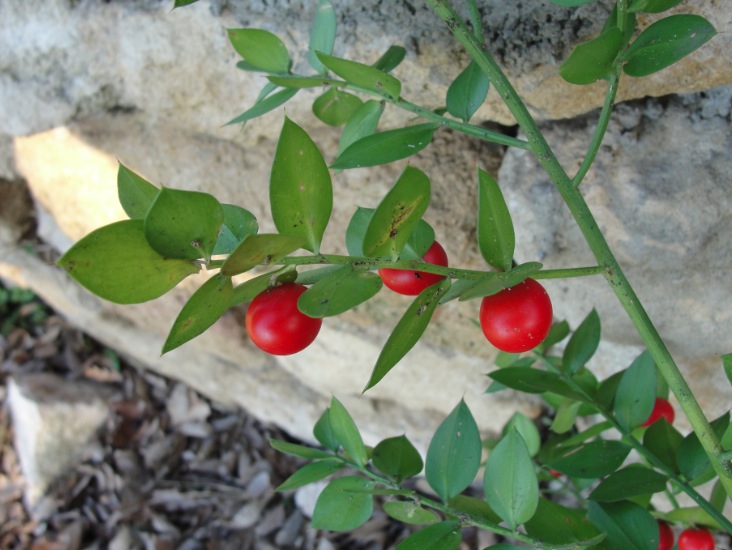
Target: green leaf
column 238, row 225
column 183, row 224
column 633, row 481
column 691, row 457
column 390, row 59
column 727, row 365
column 356, row 230
column 652, row 6
column 335, row 107
column 467, row 92
column 338, row 292
column 386, row 147
column 510, row 483
column 628, row 526
column 636, row 392
column 397, row 215
column 566, row 416
column 202, row 310
column 116, row 263
column 694, row 515
column 557, row 333
column 582, row 344
column 343, row 506
column 300, row 451
column 345, row 431
column 262, row 249
column 476, row 507
column 593, row 460
column 312, row 276
column 310, row 473
column 594, row 59
column 265, row 106
column 445, row 535
column 453, row 456
column 556, row 524
column 663, row 440
column 665, row 42
column 526, row 429
column 363, row 122
column 300, row 188
column 532, row 380
column 323, row 432
column 181, row 3
column 496, row 237
column 397, row 457
column 135, row 193
column 246, row 292
column 261, row 49
column 362, row 76
column 410, row 512
column 408, row 330
column 322, row 34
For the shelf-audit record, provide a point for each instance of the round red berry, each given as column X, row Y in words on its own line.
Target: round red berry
column 411, row 283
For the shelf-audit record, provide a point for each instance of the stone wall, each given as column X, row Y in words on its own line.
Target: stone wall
column 87, row 83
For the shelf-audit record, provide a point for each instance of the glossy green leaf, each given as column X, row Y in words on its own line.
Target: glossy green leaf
column 510, row 483
column 718, row 498
column 408, row 330
column 345, row 431
column 419, row 242
column 300, row 451
column 457, row 290
column 116, row 263
column 299, row 82
column 467, row 92
column 694, row 515
column 310, row 473
column 476, row 507
column 571, row 3
column 338, row 292
column 663, row 440
column 239, row 223
column 261, row 249
column 487, row 286
column 390, row 59
column 628, row 526
column 727, row 365
column 356, row 230
column 526, row 429
column 565, row 416
column 557, row 333
column 409, row 512
column 594, row 59
column 453, row 456
column 592, row 460
column 261, row 49
column 183, row 224
column 300, row 188
column 665, row 42
column 362, row 76
column 632, row 481
column 532, row 380
column 335, row 107
column 135, row 193
column 652, row 6
column 246, row 291
column 202, row 310
column 556, row 524
column 180, row 3
column 268, row 104
column 636, row 392
column 322, row 34
column 445, row 535
column 691, row 457
column 496, row 237
column 343, row 506
column 323, row 432
column 397, row 457
column 311, row 276
column 363, row 122
column 582, row 344
column 385, row 147
column 397, row 215
column 520, row 273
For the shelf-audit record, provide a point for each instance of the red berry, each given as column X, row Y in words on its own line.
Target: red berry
column 517, row 319
column 276, row 325
column 412, row 283
column 555, row 473
column 665, row 536
column 661, row 409
column 696, row 539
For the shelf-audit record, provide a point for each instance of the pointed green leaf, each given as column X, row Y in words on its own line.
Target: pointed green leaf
column 727, row 365
column 632, row 481
column 526, row 429
column 310, row 473
column 532, row 380
column 636, row 392
column 312, row 276
column 202, row 310
column 238, row 225
column 300, row 451
column 652, row 6
column 390, row 59
column 628, row 526
column 338, row 292
column 593, row 460
column 663, row 440
column 322, row 34
column 246, row 292
column 445, row 535
column 419, row 242
column 343, row 506
column 557, row 333
column 135, row 193
column 691, row 457
column 116, row 263
column 476, row 507
column 323, row 432
column 496, row 237
column 510, row 483
column 556, row 524
column 262, row 249
column 397, row 457
column 299, row 82
column 261, row 49
column 408, row 330
column 183, row 224
column 397, row 215
column 335, row 107
column 362, row 123
column 467, row 92
column 345, row 431
column 386, row 147
column 453, row 456
column 694, row 515
column 665, row 42
column 593, row 60
column 180, row 3
column 362, row 76
column 267, row 104
column 410, row 512
column 582, row 344
column 566, row 416
column 300, row 188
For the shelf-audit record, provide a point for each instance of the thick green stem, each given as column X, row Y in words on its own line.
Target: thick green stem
column 595, row 239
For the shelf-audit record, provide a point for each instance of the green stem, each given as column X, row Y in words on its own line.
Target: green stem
column 595, row 239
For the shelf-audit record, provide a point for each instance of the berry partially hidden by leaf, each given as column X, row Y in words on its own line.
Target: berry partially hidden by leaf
column 696, row 539
column 276, row 325
column 661, row 409
column 665, row 536
column 412, row 283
